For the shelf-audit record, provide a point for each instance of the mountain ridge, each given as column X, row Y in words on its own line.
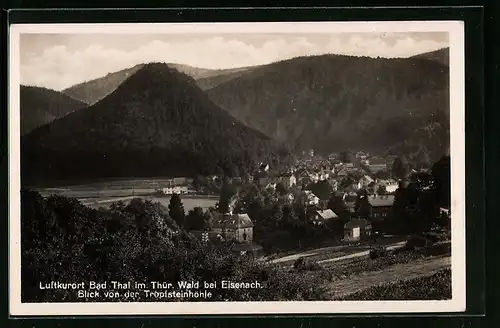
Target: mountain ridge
column 334, row 102
column 93, row 90
column 39, row 106
column 441, row 55
column 157, row 122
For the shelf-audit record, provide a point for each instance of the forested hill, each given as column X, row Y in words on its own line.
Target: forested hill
column 441, row 56
column 157, row 123
column 92, row 91
column 40, row 106
column 334, row 102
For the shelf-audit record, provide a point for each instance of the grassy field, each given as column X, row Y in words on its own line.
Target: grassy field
column 376, row 276
column 393, row 274
column 104, row 193
column 434, row 287
column 189, row 202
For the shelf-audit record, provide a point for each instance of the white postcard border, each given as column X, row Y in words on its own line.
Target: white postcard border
column 457, row 152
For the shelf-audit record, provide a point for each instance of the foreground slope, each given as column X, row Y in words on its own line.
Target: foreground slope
column 333, row 102
column 40, row 106
column 157, row 123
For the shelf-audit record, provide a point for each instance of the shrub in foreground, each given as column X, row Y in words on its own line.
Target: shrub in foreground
column 377, row 252
column 62, row 240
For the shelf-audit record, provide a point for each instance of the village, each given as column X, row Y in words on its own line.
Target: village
column 352, row 201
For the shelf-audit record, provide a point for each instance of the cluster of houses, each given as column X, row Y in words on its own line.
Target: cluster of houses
column 339, row 177
column 238, row 228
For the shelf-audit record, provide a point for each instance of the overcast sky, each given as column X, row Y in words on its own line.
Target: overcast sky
column 58, row 61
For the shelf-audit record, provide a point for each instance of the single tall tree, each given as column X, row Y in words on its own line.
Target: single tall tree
column 197, row 219
column 362, row 206
column 400, row 168
column 338, row 206
column 176, row 209
column 442, row 181
column 226, row 193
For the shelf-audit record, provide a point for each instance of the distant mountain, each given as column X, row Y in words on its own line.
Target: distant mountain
column 441, row 56
column 92, row 91
column 156, row 123
column 333, row 102
column 222, row 76
column 40, row 106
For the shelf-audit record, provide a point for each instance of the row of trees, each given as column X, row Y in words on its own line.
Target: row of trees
column 419, row 198
column 196, row 218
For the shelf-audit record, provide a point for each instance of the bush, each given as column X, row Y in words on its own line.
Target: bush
column 302, row 265
column 313, row 266
column 299, row 263
column 416, row 242
column 378, row 252
column 439, row 249
column 66, row 241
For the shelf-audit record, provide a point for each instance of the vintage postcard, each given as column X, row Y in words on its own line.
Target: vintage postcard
column 237, row 168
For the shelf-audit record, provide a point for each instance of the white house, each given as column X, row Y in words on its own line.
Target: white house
column 324, row 175
column 175, row 190
column 391, row 187
column 311, row 199
column 264, row 167
column 288, row 179
column 357, row 229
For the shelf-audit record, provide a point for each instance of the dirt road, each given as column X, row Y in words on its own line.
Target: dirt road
column 419, row 268
column 334, row 253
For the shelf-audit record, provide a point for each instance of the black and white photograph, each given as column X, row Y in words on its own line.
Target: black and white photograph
column 233, row 168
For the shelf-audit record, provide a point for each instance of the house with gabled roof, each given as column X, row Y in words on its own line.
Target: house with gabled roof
column 311, row 199
column 357, row 229
column 349, row 199
column 366, row 180
column 380, row 205
column 288, row 179
column 320, row 217
column 236, row 227
column 271, row 185
column 342, row 172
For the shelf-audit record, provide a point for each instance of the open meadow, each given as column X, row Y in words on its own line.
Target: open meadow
column 104, row 193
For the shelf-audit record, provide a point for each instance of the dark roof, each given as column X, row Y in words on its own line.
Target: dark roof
column 353, row 223
column 350, row 204
column 234, row 221
column 302, row 172
column 322, row 190
column 350, row 198
column 377, row 161
column 385, row 200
